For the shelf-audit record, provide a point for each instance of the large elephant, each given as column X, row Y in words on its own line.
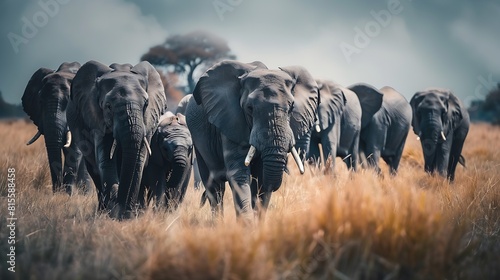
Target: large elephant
column 243, row 120
column 113, row 113
column 168, row 170
column 181, row 109
column 442, row 123
column 384, row 133
column 45, row 100
column 338, row 125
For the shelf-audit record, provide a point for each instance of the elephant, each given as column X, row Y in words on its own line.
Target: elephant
column 338, row 125
column 441, row 122
column 45, row 100
column 244, row 119
column 384, row 133
column 113, row 113
column 181, row 109
column 168, row 170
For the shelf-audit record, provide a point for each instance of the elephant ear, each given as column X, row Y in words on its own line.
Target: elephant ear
column 181, row 107
column 414, row 103
column 454, row 113
column 85, row 94
column 332, row 103
column 306, row 100
column 69, row 67
column 156, row 93
column 31, row 98
column 370, row 100
column 219, row 91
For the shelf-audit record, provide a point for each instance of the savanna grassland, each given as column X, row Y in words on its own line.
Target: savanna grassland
column 319, row 226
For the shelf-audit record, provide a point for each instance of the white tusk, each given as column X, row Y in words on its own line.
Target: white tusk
column 147, row 145
column 418, row 137
column 296, row 157
column 68, row 139
column 442, row 135
column 251, row 153
column 113, row 148
column 318, row 129
column 37, row 135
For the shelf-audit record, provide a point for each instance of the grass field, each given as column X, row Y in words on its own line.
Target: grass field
column 319, row 226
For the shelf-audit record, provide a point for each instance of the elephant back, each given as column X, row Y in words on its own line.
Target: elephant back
column 370, row 100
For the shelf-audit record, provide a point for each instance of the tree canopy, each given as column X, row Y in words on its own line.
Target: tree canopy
column 489, row 109
column 185, row 54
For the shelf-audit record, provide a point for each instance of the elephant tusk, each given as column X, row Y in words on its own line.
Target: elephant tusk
column 147, row 146
column 251, row 153
column 442, row 136
column 113, row 148
column 37, row 135
column 68, row 139
column 418, row 137
column 296, row 157
column 318, row 129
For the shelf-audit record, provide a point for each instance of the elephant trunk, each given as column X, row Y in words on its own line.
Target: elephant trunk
column 274, row 163
column 179, row 179
column 54, row 132
column 131, row 137
column 431, row 134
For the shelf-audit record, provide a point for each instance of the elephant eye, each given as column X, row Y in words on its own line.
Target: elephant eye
column 292, row 106
column 108, row 106
column 250, row 109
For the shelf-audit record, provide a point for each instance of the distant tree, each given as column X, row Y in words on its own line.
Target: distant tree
column 173, row 94
column 185, row 54
column 8, row 110
column 488, row 109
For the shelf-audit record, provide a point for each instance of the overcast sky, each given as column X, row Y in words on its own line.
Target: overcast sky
column 409, row 45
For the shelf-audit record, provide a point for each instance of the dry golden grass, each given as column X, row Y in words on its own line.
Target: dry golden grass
column 348, row 226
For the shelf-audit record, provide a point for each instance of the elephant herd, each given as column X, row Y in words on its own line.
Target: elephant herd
column 240, row 123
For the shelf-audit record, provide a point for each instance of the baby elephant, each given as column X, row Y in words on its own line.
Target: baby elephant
column 168, row 170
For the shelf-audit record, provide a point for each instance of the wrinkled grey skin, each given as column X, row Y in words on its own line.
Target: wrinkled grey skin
column 168, row 170
column 435, row 111
column 121, row 103
column 338, row 125
column 181, row 109
column 384, row 134
column 236, row 105
column 45, row 100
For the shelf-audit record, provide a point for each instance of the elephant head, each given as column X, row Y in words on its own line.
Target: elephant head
column 436, row 114
column 121, row 106
column 176, row 147
column 261, row 110
column 45, row 100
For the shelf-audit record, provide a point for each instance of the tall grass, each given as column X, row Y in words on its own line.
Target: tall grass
column 319, row 226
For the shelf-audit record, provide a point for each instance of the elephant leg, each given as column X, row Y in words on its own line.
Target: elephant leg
column 108, row 171
column 443, row 156
column 314, row 155
column 214, row 191
column 98, row 185
column 393, row 161
column 354, row 151
column 374, row 140
column 197, row 177
column 72, row 159
column 329, row 143
column 83, row 177
column 456, row 151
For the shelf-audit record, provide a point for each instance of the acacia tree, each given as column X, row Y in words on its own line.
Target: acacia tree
column 184, row 54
